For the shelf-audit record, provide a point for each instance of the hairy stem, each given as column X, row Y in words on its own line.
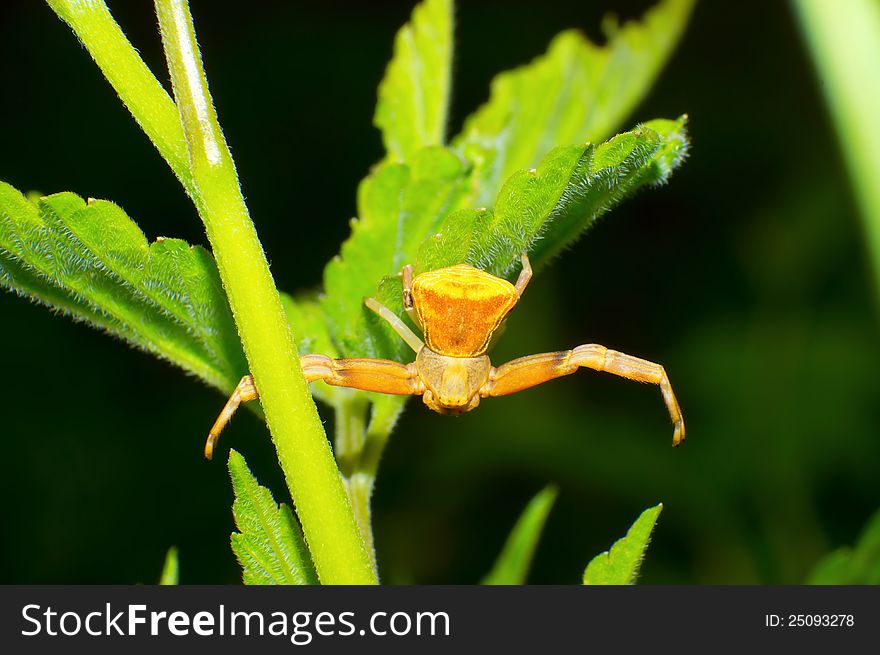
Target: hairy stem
column 315, row 483
column 351, row 430
column 359, row 447
column 137, row 87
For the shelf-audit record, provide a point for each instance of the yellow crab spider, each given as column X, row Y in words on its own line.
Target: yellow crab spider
column 459, row 309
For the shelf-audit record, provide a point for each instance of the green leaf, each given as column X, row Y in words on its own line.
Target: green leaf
column 398, row 205
column 512, row 565
column 269, row 545
column 171, row 568
column 621, row 564
column 90, row 260
column 643, row 157
column 848, row 566
column 575, row 93
column 543, row 210
column 414, row 95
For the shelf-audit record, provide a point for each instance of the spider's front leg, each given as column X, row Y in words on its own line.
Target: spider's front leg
column 530, row 371
column 379, row 375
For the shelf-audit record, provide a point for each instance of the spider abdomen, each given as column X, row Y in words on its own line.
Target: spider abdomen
column 460, row 308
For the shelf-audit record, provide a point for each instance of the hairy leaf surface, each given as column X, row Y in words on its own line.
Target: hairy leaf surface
column 621, row 564
column 269, row 544
column 90, row 260
column 541, row 211
column 575, row 93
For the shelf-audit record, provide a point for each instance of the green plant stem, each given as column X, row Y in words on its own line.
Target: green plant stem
column 137, row 87
column 359, row 447
column 844, row 39
column 315, row 483
column 382, row 421
column 351, row 430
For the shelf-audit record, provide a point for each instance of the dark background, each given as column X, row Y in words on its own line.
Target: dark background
column 745, row 276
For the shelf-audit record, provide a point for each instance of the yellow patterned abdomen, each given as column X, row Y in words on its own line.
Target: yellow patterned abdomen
column 460, row 307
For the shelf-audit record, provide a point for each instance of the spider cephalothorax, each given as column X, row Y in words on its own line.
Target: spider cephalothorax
column 460, row 309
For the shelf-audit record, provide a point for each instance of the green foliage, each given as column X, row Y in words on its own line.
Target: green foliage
column 857, row 565
column 620, row 565
column 90, row 260
column 476, row 200
column 401, row 205
column 415, row 208
column 575, row 93
column 171, row 568
column 414, row 95
column 543, row 210
column 269, row 545
column 397, row 206
column 512, row 565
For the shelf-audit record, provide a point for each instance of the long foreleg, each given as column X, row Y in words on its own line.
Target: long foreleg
column 379, row 375
column 530, row 371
